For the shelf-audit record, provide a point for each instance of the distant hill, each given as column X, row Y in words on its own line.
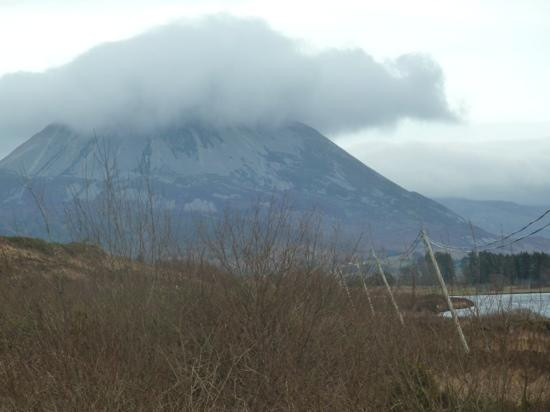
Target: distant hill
column 496, row 216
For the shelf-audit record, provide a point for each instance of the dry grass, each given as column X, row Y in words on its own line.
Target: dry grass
column 20, row 256
column 191, row 336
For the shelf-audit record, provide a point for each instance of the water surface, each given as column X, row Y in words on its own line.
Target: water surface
column 505, row 302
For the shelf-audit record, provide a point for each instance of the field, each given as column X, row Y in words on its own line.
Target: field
column 103, row 333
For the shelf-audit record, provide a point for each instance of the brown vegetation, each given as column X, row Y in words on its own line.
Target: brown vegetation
column 191, row 335
column 22, row 255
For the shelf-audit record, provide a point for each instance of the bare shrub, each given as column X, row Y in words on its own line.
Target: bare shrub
column 122, row 214
column 258, row 313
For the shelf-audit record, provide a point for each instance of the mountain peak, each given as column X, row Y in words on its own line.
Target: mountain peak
column 195, row 164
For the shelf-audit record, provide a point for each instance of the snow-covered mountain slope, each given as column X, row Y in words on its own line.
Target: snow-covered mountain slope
column 199, row 168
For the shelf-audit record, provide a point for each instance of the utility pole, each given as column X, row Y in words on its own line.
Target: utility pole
column 365, row 289
column 382, row 274
column 430, row 252
column 415, row 272
column 344, row 284
column 476, row 257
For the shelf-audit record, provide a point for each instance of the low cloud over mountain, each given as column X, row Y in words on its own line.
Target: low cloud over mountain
column 222, row 70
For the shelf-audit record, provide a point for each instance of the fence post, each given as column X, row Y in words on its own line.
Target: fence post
column 382, row 274
column 430, row 252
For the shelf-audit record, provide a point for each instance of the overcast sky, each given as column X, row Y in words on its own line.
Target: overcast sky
column 482, row 62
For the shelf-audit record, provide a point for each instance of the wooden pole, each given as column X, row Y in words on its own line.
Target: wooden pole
column 382, row 274
column 444, row 289
column 366, row 290
column 344, row 284
column 415, row 272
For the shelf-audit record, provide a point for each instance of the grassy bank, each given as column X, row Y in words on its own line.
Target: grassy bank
column 466, row 290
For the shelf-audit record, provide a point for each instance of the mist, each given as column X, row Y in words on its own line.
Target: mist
column 512, row 170
column 222, row 70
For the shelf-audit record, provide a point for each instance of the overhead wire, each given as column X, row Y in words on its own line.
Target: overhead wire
column 522, row 238
column 484, row 248
column 528, row 225
column 498, row 244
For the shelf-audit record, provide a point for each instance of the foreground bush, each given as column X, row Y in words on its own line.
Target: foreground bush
column 193, row 337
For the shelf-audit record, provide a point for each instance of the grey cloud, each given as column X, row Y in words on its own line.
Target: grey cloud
column 514, row 170
column 222, row 70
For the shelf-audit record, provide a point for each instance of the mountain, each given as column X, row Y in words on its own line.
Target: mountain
column 196, row 168
column 496, row 216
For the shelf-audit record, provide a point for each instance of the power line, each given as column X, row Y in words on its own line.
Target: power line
column 413, row 245
column 411, row 248
column 497, row 244
column 450, row 247
column 501, row 246
column 523, row 237
column 538, row 219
